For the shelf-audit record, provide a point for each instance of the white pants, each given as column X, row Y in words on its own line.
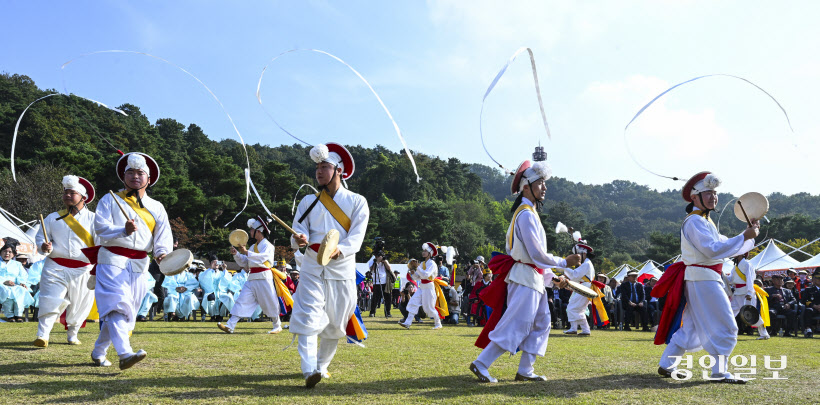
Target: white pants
column 739, row 301
column 424, row 298
column 119, row 293
column 708, row 324
column 526, row 323
column 321, row 308
column 61, row 290
column 182, row 304
column 256, row 293
column 576, row 312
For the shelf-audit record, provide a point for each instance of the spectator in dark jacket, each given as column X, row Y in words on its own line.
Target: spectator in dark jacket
column 632, row 300
column 782, row 302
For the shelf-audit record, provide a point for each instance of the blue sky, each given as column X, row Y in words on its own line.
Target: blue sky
column 431, row 62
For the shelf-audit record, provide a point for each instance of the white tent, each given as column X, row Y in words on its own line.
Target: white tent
column 9, row 229
column 772, row 258
column 625, row 268
column 649, row 268
column 809, row 264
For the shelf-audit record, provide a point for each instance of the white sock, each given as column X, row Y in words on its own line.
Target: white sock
column 488, row 356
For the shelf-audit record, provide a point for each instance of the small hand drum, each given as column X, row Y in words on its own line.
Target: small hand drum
column 755, row 204
column 581, row 289
column 238, row 237
column 328, row 246
column 749, row 314
column 176, row 262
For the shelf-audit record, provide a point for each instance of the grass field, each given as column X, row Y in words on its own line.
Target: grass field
column 195, row 362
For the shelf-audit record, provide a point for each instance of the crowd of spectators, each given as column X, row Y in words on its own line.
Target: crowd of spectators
column 793, row 299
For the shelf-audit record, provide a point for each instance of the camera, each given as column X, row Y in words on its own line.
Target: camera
column 378, row 245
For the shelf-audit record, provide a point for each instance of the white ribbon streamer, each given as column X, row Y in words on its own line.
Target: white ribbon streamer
column 537, row 92
column 626, row 140
column 20, row 119
column 295, row 196
column 242, row 140
column 395, row 126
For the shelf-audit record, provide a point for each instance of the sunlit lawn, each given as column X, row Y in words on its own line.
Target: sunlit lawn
column 194, row 361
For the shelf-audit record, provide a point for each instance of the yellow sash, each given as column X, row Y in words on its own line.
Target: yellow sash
column 700, row 213
column 143, row 213
column 77, row 228
column 740, row 273
column 511, row 231
column 764, row 304
column 598, row 302
column 334, row 210
column 256, row 250
column 281, row 289
column 441, row 301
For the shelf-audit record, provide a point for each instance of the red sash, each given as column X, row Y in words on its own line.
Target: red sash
column 495, row 294
column 740, row 285
column 315, row 247
column 92, row 252
column 426, row 281
column 258, row 269
column 671, row 285
column 70, row 263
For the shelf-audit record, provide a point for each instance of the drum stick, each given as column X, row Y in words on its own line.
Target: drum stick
column 284, row 225
column 114, row 196
column 740, row 204
column 43, row 227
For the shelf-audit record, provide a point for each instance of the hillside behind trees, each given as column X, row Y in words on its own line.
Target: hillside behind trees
column 464, row 205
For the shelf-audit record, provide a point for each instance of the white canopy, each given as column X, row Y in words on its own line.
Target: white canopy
column 772, row 258
column 625, row 268
column 811, row 263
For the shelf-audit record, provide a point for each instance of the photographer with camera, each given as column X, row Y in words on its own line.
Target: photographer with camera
column 383, row 280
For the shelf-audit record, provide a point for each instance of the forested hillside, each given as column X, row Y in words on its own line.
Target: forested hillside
column 458, row 204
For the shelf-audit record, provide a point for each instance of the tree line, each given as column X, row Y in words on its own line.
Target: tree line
column 456, row 204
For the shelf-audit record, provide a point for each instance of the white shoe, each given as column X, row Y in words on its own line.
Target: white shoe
column 482, row 374
column 325, row 374
column 275, row 331
column 763, row 337
column 437, row 326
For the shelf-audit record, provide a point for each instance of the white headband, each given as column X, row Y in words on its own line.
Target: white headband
column 320, row 153
column 709, row 183
column 73, row 183
column 137, row 162
column 538, row 171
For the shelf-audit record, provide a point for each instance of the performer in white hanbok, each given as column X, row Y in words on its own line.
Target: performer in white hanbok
column 696, row 284
column 180, row 301
column 745, row 293
column 63, row 283
column 15, row 293
column 122, row 261
column 237, row 282
column 523, row 281
column 259, row 289
column 577, row 305
column 326, row 298
column 425, row 297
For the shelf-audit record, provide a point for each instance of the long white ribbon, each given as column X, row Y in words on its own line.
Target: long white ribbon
column 626, row 140
column 295, row 196
column 222, row 106
column 20, row 119
column 395, row 125
column 490, row 89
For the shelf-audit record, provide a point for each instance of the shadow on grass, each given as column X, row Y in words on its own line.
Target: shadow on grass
column 449, row 387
